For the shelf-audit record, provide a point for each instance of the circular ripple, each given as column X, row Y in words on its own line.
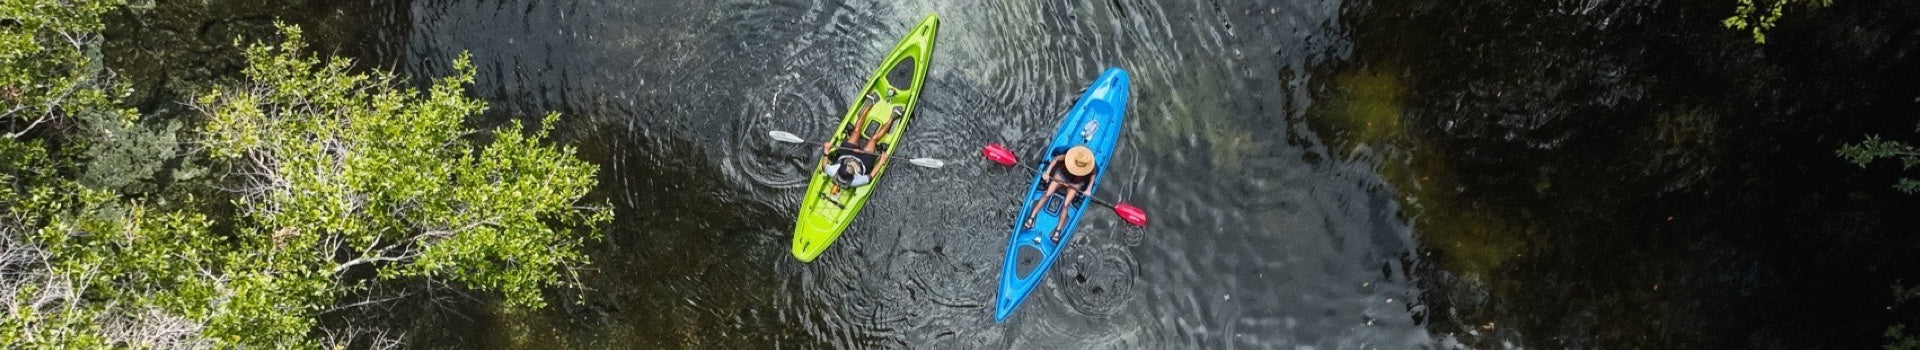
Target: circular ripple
column 1133, row 236
column 944, row 280
column 766, row 162
column 1096, row 281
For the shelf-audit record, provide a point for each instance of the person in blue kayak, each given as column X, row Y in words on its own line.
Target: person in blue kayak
column 1071, row 170
column 849, row 164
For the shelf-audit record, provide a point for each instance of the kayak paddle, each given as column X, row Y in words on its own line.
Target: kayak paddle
column 1127, row 212
column 787, row 137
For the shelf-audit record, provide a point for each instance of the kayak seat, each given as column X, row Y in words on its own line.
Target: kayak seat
column 901, row 77
column 1055, row 202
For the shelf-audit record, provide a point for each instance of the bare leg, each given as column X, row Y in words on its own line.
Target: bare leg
column 1048, row 175
column 1051, row 186
column 874, row 143
column 1071, row 191
column 860, row 122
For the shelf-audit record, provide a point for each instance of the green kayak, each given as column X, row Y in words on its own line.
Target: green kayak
column 883, row 106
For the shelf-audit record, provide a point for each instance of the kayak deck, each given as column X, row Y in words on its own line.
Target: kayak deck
column 1095, row 122
column 889, row 96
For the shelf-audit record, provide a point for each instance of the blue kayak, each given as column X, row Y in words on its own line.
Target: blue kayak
column 1094, row 121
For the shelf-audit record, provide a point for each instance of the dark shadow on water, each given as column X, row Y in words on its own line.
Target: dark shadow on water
column 1661, row 182
column 1614, row 174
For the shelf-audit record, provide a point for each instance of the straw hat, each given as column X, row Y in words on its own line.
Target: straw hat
column 1079, row 161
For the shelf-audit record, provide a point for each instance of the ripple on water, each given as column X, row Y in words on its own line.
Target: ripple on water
column 929, row 274
column 764, row 162
column 918, row 269
column 1096, row 279
column 822, row 68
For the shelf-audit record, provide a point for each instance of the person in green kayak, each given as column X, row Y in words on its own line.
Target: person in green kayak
column 848, row 164
column 1072, row 171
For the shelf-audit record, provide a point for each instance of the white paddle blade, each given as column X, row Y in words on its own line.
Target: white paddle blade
column 783, row 136
column 927, row 162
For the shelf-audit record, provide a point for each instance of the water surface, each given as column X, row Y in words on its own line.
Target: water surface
column 1325, row 174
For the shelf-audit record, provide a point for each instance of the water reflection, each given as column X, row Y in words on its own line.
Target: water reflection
column 1264, row 236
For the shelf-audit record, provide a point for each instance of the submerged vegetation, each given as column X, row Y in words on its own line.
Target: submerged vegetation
column 303, row 194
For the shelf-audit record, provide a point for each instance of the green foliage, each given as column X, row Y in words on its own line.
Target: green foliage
column 1874, row 148
column 1898, row 339
column 1896, row 335
column 338, row 174
column 125, row 154
column 85, row 270
column 355, row 164
column 50, row 65
column 52, row 75
column 93, row 270
column 1758, row 16
column 1901, row 294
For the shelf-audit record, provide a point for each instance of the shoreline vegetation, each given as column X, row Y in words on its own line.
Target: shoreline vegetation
column 298, row 205
column 194, row 175
column 1759, row 17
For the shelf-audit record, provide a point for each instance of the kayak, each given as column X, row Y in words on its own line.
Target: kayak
column 1094, row 121
column 889, row 97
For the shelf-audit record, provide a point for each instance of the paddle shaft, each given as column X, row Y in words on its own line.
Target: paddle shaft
column 888, row 153
column 783, row 136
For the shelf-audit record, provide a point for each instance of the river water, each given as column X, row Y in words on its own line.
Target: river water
column 1320, row 174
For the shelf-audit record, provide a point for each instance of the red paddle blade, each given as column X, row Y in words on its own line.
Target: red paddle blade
column 998, row 154
column 1131, row 214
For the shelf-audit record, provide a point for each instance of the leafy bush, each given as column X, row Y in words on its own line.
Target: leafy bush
column 1758, row 16
column 337, row 162
column 344, row 182
column 1875, row 148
